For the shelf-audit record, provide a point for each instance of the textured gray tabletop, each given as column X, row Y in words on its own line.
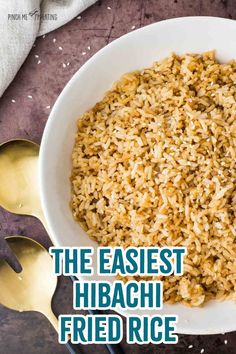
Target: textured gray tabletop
column 43, row 76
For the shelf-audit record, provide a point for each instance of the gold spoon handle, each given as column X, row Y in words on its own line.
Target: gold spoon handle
column 73, row 349
column 52, row 319
column 39, row 215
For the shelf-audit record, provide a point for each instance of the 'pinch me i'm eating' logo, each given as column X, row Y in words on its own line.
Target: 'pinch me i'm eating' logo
column 33, row 14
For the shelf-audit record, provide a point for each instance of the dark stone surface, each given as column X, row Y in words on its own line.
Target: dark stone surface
column 30, row 333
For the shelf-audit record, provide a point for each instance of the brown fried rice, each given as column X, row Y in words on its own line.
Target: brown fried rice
column 154, row 165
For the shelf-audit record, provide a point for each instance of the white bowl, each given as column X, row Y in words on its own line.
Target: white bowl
column 135, row 50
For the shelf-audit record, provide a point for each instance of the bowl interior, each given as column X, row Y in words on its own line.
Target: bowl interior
column 132, row 51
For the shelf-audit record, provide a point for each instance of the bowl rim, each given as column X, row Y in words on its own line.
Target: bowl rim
column 52, row 117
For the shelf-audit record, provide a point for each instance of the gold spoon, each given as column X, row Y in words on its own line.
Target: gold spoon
column 33, row 288
column 19, row 192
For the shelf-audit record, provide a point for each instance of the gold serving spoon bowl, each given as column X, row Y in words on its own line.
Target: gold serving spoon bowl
column 19, row 191
column 32, row 289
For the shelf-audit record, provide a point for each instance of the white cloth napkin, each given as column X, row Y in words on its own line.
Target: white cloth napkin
column 21, row 21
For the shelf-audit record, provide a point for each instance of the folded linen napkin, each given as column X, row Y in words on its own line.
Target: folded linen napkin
column 21, row 21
